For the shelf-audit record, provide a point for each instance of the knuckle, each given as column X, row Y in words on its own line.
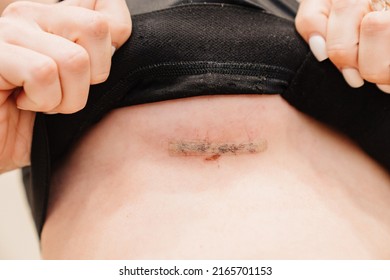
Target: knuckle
column 339, row 53
column 12, row 31
column 76, row 60
column 122, row 32
column 304, row 23
column 8, row 29
column 341, row 6
column 16, row 8
column 98, row 26
column 100, row 78
column 45, row 71
column 373, row 76
column 301, row 23
column 75, row 105
column 48, row 104
column 370, row 77
column 374, row 22
column 342, row 54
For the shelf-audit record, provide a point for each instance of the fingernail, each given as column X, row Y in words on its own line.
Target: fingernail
column 384, row 88
column 352, row 77
column 113, row 50
column 318, row 47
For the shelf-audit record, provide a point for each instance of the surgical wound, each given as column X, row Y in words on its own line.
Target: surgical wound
column 214, row 150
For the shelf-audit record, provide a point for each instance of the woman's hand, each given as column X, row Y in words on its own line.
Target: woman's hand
column 49, row 56
column 355, row 38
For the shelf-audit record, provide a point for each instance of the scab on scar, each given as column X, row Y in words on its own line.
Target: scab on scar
column 214, row 150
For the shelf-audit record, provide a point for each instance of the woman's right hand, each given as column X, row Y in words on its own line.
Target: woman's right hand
column 49, row 57
column 355, row 38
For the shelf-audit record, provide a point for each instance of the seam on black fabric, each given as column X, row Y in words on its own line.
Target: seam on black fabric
column 124, row 81
column 196, row 67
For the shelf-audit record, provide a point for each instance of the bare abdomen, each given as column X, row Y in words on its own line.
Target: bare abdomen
column 222, row 177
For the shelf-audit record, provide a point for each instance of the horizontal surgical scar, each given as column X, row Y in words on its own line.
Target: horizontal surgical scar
column 214, row 150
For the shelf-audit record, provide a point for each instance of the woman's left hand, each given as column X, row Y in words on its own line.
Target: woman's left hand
column 353, row 36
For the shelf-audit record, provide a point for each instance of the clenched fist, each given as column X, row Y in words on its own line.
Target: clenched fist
column 49, row 56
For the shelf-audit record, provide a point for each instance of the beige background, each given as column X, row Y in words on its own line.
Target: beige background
column 18, row 239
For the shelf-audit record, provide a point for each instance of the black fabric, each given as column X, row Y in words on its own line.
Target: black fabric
column 204, row 49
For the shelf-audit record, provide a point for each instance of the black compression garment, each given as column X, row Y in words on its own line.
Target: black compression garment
column 189, row 48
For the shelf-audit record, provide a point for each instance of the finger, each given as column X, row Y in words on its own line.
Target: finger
column 384, row 88
column 116, row 13
column 343, row 37
column 311, row 23
column 85, row 27
column 38, row 77
column 72, row 63
column 73, row 66
column 4, row 94
column 91, row 31
column 374, row 48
